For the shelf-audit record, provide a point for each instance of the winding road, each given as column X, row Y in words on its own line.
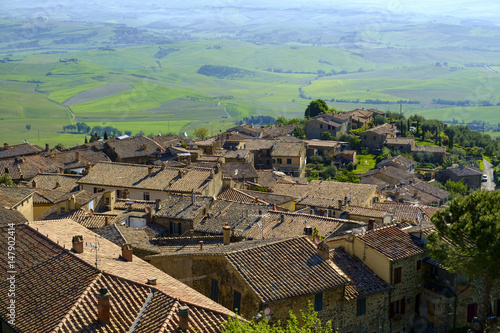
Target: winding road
column 488, row 170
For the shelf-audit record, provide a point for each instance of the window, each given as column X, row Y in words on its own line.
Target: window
column 146, row 196
column 274, row 161
column 95, row 189
column 175, row 228
column 280, row 161
column 471, row 312
column 419, row 264
column 397, row 307
column 268, row 162
column 63, row 210
column 361, row 307
column 237, row 302
column 329, row 127
column 397, row 275
column 318, row 301
column 288, row 161
column 214, row 292
column 497, row 310
column 320, row 125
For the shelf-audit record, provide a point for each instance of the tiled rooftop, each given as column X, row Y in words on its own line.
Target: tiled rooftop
column 401, row 160
column 66, row 286
column 19, row 150
column 276, row 224
column 284, row 269
column 12, row 195
column 236, row 170
column 464, row 171
column 11, row 216
column 136, row 176
column 182, row 207
column 235, row 214
column 391, row 242
column 138, row 270
column 383, row 129
column 368, row 212
column 135, row 147
column 406, row 212
column 292, row 149
column 363, row 281
column 55, row 181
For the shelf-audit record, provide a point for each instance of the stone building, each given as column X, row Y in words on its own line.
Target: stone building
column 374, row 138
column 274, row 276
column 392, row 254
column 335, row 124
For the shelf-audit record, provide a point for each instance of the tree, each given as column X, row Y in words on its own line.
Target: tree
column 316, row 107
column 201, row 132
column 6, row 180
column 105, row 135
column 280, row 121
column 299, row 132
column 310, row 319
column 467, row 241
column 28, row 127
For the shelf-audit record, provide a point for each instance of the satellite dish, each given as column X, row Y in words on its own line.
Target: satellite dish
column 91, row 212
column 316, row 239
column 147, row 210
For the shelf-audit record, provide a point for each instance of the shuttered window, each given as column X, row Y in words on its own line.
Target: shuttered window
column 237, row 302
column 361, row 307
column 397, row 275
column 214, row 293
column 318, row 302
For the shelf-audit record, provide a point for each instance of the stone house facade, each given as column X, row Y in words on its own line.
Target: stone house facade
column 375, row 138
column 334, row 124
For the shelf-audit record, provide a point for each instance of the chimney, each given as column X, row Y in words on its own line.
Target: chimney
column 127, row 252
column 72, row 202
column 77, row 244
column 57, row 185
column 33, row 183
column 181, row 173
column 308, row 231
column 345, row 201
column 47, row 149
column 157, row 204
column 201, row 245
column 150, row 170
column 282, row 218
column 77, row 156
column 371, row 224
column 151, row 281
column 126, row 194
column 5, row 146
column 103, row 306
column 226, row 233
column 184, row 318
column 163, row 165
column 340, row 204
column 323, row 250
column 193, row 197
column 106, row 220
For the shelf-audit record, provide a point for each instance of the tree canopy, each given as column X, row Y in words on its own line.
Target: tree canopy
column 310, row 319
column 468, row 241
column 316, row 107
column 201, row 132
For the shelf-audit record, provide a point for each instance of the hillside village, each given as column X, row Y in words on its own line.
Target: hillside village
column 168, row 234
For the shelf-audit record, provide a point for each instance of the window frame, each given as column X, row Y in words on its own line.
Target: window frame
column 214, row 290
column 397, row 275
column 318, row 301
column 360, row 307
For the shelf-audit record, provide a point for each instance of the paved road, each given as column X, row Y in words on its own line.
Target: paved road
column 488, row 170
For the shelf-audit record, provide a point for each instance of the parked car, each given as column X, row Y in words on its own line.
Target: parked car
column 485, row 178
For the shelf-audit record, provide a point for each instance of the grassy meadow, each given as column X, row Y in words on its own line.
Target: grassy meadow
column 85, row 80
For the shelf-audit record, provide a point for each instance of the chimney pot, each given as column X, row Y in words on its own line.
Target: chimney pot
column 77, row 156
column 340, row 204
column 127, row 252
column 181, row 173
column 226, row 233
column 151, row 281
column 308, row 230
column 371, row 224
column 78, row 243
column 5, row 146
column 150, row 170
column 201, row 245
column 47, row 147
column 282, row 218
column 103, row 306
column 33, row 183
column 106, row 220
column 184, row 318
column 323, row 250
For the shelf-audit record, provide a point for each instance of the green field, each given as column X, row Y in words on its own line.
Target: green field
column 82, row 79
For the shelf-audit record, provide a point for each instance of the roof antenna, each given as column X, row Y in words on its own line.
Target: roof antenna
column 96, row 247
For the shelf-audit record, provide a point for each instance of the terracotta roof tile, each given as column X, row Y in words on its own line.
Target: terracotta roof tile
column 284, row 269
column 55, row 181
column 295, row 149
column 391, row 242
column 276, row 224
column 19, row 150
column 183, row 207
column 406, row 212
column 368, row 212
column 363, row 281
column 235, row 170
